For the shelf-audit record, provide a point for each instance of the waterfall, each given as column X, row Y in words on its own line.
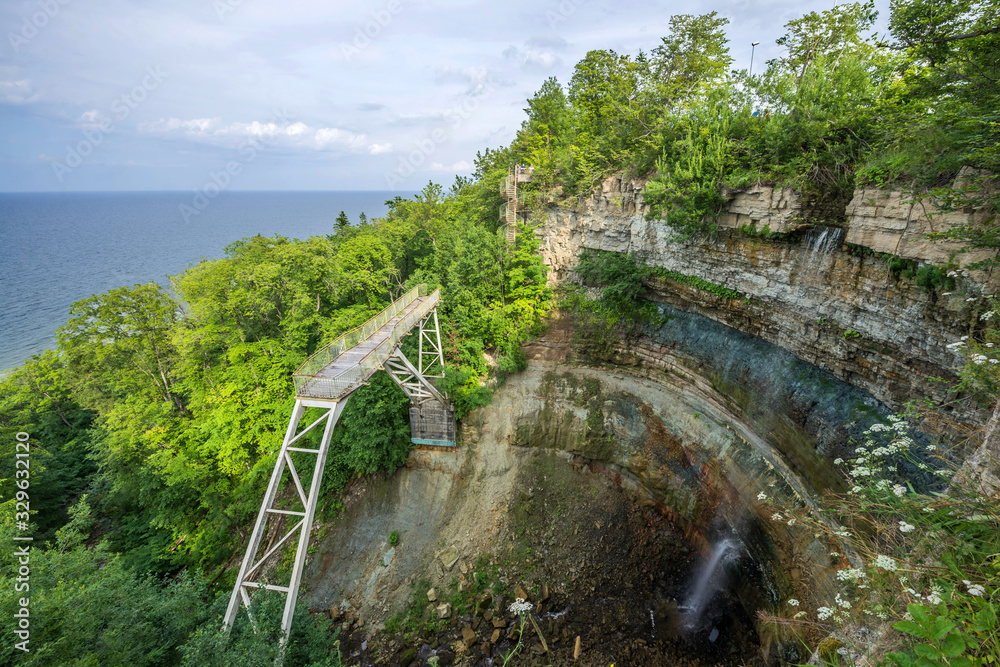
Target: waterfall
column 822, row 240
column 707, row 581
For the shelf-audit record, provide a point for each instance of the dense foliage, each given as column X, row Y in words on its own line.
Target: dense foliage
column 166, row 409
column 154, row 424
column 840, row 108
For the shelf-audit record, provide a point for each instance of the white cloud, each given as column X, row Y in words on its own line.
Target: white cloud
column 290, row 135
column 92, row 119
column 17, row 92
column 461, row 165
column 532, row 57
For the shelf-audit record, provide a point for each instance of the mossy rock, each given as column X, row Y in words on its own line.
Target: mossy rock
column 407, row 656
column 827, row 649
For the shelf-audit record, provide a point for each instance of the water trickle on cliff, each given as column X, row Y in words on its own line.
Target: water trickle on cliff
column 822, row 240
column 710, row 577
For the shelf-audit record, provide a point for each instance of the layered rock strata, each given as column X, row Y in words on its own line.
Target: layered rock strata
column 843, row 311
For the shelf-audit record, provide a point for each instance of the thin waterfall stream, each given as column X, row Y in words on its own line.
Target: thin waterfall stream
column 708, row 581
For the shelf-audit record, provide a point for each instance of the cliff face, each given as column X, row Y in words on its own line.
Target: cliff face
column 842, row 311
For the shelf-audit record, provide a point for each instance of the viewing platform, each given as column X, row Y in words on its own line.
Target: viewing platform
column 343, row 365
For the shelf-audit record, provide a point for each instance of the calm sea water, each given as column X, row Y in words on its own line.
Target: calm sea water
column 58, row 248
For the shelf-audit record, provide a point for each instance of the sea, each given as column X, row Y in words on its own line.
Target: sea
column 58, row 248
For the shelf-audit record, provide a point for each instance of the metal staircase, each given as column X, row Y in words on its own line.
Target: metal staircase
column 510, row 213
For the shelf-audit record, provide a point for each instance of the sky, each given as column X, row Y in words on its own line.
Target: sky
column 303, row 94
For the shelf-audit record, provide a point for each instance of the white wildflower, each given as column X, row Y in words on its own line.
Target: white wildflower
column 775, row 517
column 971, row 298
column 989, row 344
column 835, row 554
column 975, row 590
column 761, row 496
column 952, row 274
column 855, row 489
column 793, row 602
column 837, row 462
column 520, row 606
column 933, row 597
column 964, row 338
column 824, row 613
column 899, row 490
column 987, row 315
column 886, row 563
column 906, row 527
column 791, row 522
column 844, row 604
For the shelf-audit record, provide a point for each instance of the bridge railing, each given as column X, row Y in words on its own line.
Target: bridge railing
column 309, row 383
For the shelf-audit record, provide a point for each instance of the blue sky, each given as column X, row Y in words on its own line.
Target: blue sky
column 302, row 94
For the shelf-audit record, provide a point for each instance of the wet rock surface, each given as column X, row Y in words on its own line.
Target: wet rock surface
column 596, row 562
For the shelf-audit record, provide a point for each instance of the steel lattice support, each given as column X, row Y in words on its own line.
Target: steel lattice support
column 432, row 418
column 430, row 361
column 251, row 571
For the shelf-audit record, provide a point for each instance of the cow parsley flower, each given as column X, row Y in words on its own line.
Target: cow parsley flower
column 987, row 315
column 906, row 527
column 886, row 563
column 837, row 462
column 520, row 606
column 824, row 613
column 975, row 590
column 793, row 602
column 775, row 517
column 761, row 496
column 899, row 490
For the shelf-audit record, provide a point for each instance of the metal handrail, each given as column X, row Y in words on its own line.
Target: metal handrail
column 308, row 382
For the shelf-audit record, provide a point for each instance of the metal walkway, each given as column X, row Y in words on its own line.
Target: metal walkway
column 325, row 381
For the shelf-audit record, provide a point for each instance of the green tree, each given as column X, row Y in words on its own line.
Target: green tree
column 691, row 59
column 120, row 342
column 342, row 222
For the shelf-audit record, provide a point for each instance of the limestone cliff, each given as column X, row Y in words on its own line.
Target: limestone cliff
column 843, row 311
